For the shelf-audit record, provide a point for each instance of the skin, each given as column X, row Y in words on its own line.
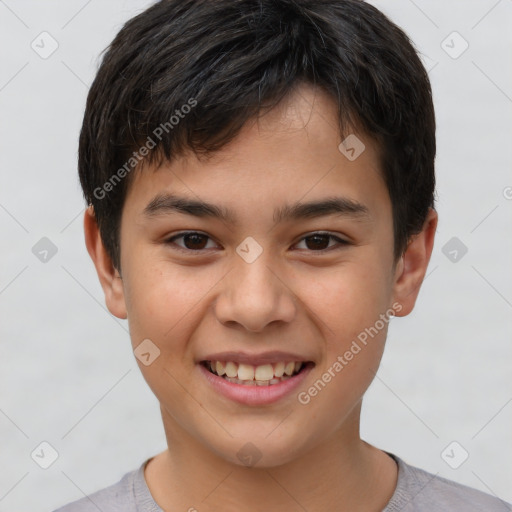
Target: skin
column 293, row 297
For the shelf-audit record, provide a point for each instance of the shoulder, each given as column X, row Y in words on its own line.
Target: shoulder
column 119, row 497
column 418, row 490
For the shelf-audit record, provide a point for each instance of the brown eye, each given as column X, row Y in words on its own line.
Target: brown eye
column 192, row 241
column 195, row 241
column 318, row 242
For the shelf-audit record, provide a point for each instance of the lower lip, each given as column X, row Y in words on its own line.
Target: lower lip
column 255, row 395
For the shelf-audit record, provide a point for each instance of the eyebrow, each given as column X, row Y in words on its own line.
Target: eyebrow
column 165, row 204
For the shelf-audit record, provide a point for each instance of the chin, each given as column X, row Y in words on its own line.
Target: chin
column 260, row 452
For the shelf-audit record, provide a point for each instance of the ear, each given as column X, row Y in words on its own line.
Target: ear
column 412, row 266
column 109, row 277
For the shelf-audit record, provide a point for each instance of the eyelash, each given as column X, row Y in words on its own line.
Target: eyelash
column 340, row 241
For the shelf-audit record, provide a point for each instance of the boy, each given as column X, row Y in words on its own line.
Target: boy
column 260, row 176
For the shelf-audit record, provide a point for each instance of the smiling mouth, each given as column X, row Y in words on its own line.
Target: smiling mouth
column 261, row 375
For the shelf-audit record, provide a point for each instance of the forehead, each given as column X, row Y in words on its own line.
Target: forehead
column 291, row 153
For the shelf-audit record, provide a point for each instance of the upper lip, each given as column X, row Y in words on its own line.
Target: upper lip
column 255, row 359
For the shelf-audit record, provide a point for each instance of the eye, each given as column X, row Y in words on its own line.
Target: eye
column 318, row 242
column 192, row 241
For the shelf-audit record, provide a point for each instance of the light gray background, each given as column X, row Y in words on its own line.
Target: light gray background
column 67, row 374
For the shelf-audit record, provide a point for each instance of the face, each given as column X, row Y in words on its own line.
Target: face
column 273, row 255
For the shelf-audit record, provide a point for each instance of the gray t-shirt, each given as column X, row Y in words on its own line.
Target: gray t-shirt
column 416, row 490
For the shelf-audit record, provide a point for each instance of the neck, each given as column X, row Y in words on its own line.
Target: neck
column 342, row 473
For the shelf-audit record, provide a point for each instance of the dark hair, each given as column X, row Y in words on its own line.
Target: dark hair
column 188, row 74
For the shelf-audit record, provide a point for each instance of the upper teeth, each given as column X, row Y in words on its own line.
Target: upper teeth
column 262, row 372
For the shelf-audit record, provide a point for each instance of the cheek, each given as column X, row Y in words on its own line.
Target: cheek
column 156, row 300
column 352, row 303
column 163, row 299
column 347, row 299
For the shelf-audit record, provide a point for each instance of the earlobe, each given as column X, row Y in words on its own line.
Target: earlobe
column 108, row 275
column 412, row 267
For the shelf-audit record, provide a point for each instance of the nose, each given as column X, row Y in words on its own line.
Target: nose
column 255, row 295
